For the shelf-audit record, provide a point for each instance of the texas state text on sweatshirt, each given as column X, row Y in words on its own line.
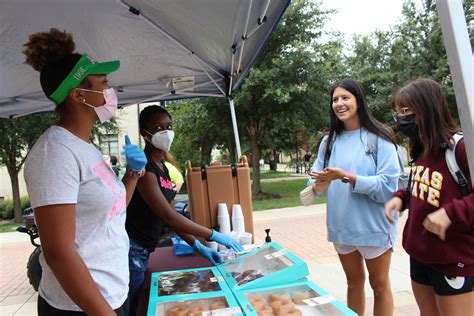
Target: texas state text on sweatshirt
column 433, row 187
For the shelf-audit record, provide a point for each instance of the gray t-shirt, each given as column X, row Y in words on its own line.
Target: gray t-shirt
column 64, row 169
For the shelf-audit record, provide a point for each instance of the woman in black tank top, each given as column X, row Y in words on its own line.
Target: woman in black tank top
column 150, row 208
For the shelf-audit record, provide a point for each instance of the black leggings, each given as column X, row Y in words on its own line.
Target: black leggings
column 44, row 309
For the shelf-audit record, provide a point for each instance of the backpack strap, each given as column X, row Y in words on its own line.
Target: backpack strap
column 372, row 140
column 453, row 166
column 372, row 148
column 331, row 143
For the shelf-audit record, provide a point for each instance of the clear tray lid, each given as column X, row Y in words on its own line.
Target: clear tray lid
column 188, row 282
column 204, row 306
column 257, row 265
column 301, row 297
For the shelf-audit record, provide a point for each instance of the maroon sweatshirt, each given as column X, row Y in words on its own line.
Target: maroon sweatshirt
column 434, row 187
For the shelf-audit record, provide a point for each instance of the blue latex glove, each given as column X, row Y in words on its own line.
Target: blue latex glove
column 135, row 156
column 208, row 253
column 225, row 240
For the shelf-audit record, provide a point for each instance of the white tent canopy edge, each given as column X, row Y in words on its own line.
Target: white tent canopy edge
column 169, row 49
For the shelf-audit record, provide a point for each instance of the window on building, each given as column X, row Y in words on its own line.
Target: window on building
column 109, row 145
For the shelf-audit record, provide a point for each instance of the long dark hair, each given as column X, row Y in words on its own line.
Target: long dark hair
column 435, row 123
column 367, row 120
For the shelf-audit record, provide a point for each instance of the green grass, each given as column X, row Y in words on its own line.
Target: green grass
column 289, row 191
column 8, row 227
column 270, row 174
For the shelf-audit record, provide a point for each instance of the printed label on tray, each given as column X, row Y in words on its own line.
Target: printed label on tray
column 276, row 254
column 216, row 279
column 223, row 312
column 320, row 300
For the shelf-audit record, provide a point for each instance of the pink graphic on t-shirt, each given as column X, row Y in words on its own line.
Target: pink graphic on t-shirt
column 109, row 177
column 119, row 205
column 165, row 183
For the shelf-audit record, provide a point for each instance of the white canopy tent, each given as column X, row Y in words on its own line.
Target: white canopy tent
column 172, row 49
column 169, row 49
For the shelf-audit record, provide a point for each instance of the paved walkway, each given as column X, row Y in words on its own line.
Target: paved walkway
column 300, row 229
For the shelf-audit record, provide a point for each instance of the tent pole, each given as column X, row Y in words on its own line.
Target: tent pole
column 234, row 125
column 461, row 65
column 244, row 37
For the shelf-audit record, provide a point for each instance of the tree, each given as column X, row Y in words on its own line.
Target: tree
column 200, row 125
column 277, row 91
column 18, row 137
column 385, row 61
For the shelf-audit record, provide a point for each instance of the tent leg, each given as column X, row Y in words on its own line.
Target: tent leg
column 461, row 66
column 234, row 125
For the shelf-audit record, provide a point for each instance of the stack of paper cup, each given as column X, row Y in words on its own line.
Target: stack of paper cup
column 223, row 220
column 238, row 224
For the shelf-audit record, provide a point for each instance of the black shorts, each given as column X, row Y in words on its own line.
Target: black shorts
column 443, row 285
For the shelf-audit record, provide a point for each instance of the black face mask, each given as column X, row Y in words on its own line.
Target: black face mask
column 407, row 125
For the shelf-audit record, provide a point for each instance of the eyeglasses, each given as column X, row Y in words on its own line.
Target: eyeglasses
column 403, row 111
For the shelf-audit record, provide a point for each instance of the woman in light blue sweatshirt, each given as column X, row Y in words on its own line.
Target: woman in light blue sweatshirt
column 357, row 166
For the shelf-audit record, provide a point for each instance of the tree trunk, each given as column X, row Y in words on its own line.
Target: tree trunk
column 206, row 150
column 16, row 192
column 256, row 188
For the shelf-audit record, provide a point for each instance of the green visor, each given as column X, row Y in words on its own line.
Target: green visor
column 84, row 67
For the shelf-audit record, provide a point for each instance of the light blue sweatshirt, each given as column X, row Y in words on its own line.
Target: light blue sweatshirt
column 355, row 214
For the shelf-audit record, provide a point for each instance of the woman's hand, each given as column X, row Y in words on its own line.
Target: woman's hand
column 395, row 204
column 333, row 173
column 208, row 253
column 437, row 223
column 322, row 181
column 225, row 240
column 134, row 155
column 321, row 186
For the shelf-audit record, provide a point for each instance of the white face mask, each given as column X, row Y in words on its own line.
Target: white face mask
column 105, row 112
column 162, row 140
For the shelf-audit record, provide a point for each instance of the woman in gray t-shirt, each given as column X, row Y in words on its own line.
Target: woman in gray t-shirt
column 78, row 202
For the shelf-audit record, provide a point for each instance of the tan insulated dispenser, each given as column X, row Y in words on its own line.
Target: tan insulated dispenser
column 210, row 185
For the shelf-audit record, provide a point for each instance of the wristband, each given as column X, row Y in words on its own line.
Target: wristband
column 346, row 177
column 136, row 173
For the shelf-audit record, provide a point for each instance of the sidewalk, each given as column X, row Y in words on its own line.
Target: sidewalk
column 303, row 231
column 300, row 229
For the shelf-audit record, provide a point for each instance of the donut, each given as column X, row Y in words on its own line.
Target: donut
column 178, row 310
column 263, row 309
column 256, row 300
column 280, row 297
column 197, row 310
column 299, row 296
column 218, row 305
column 254, row 296
column 291, row 311
column 279, row 305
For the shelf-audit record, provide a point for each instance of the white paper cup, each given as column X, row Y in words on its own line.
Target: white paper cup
column 245, row 238
column 224, row 225
column 222, row 210
column 237, row 211
column 238, row 223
